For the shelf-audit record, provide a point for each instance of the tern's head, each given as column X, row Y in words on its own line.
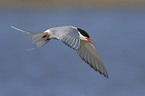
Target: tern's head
column 84, row 35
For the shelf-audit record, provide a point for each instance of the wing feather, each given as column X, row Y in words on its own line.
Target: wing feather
column 72, row 40
column 68, row 35
column 88, row 53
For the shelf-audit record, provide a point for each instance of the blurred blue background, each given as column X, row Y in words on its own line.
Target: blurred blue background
column 56, row 70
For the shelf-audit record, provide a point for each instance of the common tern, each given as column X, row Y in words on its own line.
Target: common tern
column 75, row 38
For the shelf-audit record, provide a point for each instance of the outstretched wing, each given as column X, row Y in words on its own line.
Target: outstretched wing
column 88, row 53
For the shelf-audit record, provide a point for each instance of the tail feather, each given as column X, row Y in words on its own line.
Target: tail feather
column 37, row 38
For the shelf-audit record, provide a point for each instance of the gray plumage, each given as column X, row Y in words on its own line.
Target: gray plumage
column 73, row 38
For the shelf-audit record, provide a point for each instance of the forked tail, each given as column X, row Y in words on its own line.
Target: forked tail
column 39, row 39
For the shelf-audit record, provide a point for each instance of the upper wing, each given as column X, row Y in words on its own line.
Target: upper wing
column 68, row 35
column 88, row 53
column 71, row 39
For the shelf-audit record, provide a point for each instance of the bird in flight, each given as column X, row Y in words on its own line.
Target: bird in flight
column 75, row 38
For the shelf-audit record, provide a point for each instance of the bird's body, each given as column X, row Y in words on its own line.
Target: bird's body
column 75, row 38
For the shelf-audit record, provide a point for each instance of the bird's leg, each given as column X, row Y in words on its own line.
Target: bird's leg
column 45, row 36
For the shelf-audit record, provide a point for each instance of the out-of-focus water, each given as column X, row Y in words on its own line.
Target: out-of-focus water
column 56, row 70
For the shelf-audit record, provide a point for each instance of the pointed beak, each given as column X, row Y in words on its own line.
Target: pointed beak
column 90, row 40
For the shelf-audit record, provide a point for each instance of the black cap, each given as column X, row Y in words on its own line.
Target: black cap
column 84, row 33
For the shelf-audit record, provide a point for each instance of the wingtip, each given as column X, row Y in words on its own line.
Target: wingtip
column 106, row 75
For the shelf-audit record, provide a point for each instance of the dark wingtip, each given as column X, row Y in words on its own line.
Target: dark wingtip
column 106, row 75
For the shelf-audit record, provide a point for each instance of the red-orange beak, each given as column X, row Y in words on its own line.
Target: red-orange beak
column 90, row 40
